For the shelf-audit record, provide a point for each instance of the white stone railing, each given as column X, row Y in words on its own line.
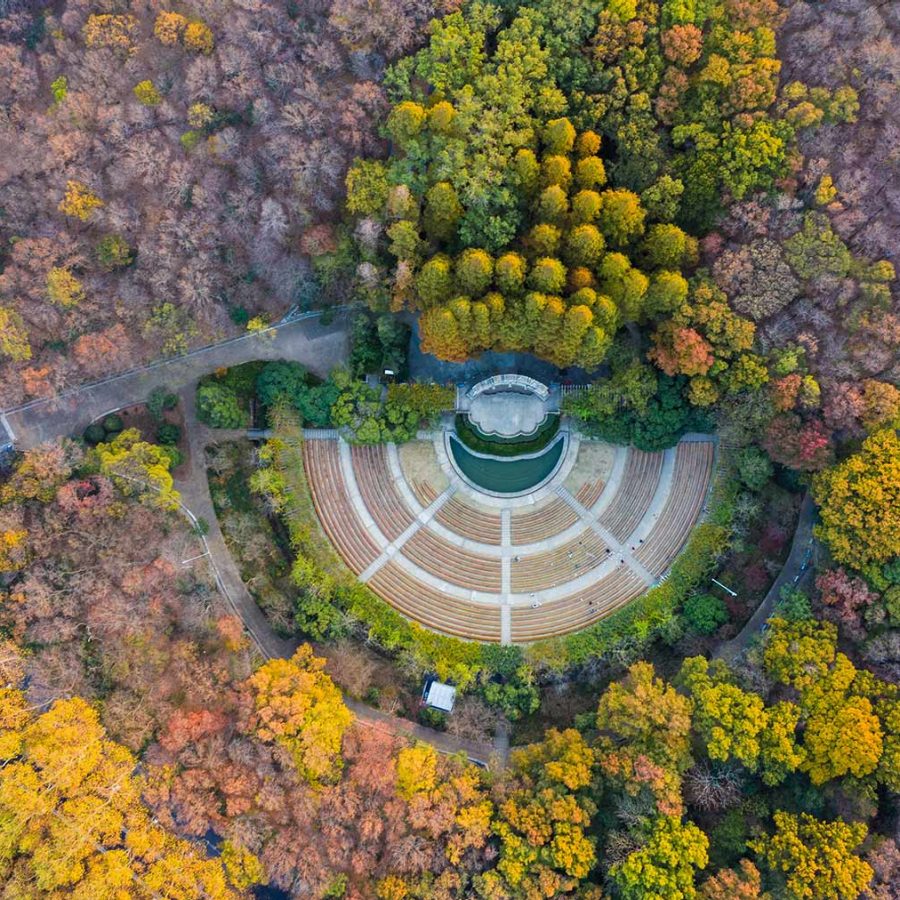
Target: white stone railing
column 497, row 382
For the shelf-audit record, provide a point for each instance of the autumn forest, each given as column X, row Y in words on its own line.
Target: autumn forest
column 232, row 228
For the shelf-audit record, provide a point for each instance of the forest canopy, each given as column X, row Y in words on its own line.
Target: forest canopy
column 549, row 185
column 697, row 201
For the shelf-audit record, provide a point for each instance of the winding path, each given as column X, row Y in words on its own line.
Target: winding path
column 318, row 347
column 195, row 495
column 305, row 340
column 803, row 551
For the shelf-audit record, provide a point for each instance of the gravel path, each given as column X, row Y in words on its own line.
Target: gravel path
column 307, row 341
column 194, row 488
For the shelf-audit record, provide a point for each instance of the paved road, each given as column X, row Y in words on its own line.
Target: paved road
column 307, row 341
column 798, row 563
column 194, row 488
column 319, row 347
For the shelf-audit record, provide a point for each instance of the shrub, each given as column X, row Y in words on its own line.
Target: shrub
column 315, row 404
column 217, row 406
column 95, row 433
column 704, row 613
column 175, row 455
column 147, row 94
column 281, row 380
column 198, row 37
column 793, row 605
column 161, row 399
column 754, row 468
column 59, row 87
column 516, row 695
column 548, row 276
column 190, row 139
column 79, row 202
column 169, row 28
column 200, row 115
column 63, row 288
column 113, row 424
column 433, row 718
column 474, row 270
column 113, row 252
column 239, row 315
column 367, row 187
column 475, row 440
column 317, row 616
column 168, row 434
column 111, row 32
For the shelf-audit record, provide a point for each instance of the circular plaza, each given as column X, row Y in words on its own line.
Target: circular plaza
column 507, row 547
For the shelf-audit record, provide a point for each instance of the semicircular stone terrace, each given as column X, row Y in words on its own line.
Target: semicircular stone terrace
column 604, row 529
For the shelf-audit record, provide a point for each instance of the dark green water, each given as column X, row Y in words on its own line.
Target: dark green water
column 508, row 476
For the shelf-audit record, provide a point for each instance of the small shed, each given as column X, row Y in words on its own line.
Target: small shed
column 439, row 695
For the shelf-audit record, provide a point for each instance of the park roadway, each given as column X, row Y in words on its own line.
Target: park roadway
column 304, row 340
column 319, row 348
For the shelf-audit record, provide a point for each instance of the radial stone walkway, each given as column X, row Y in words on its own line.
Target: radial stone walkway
column 510, row 570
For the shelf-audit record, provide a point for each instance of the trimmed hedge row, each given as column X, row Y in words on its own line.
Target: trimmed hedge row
column 475, row 440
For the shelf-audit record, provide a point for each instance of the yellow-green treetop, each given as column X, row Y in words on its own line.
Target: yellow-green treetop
column 299, row 707
column 71, row 818
column 859, row 503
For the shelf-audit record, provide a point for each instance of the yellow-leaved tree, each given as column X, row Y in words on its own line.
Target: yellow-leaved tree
column 14, row 342
column 811, row 859
column 447, row 798
column 79, row 201
column 71, row 818
column 13, row 547
column 137, row 468
column 543, row 815
column 859, row 502
column 299, row 708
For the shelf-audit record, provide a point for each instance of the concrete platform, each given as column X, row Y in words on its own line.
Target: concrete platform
column 508, row 413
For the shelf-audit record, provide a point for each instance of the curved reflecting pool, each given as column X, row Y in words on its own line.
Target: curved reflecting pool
column 506, row 476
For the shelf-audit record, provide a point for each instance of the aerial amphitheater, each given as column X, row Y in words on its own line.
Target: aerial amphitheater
column 508, row 546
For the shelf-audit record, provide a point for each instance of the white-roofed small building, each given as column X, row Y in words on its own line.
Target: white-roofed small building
column 438, row 695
